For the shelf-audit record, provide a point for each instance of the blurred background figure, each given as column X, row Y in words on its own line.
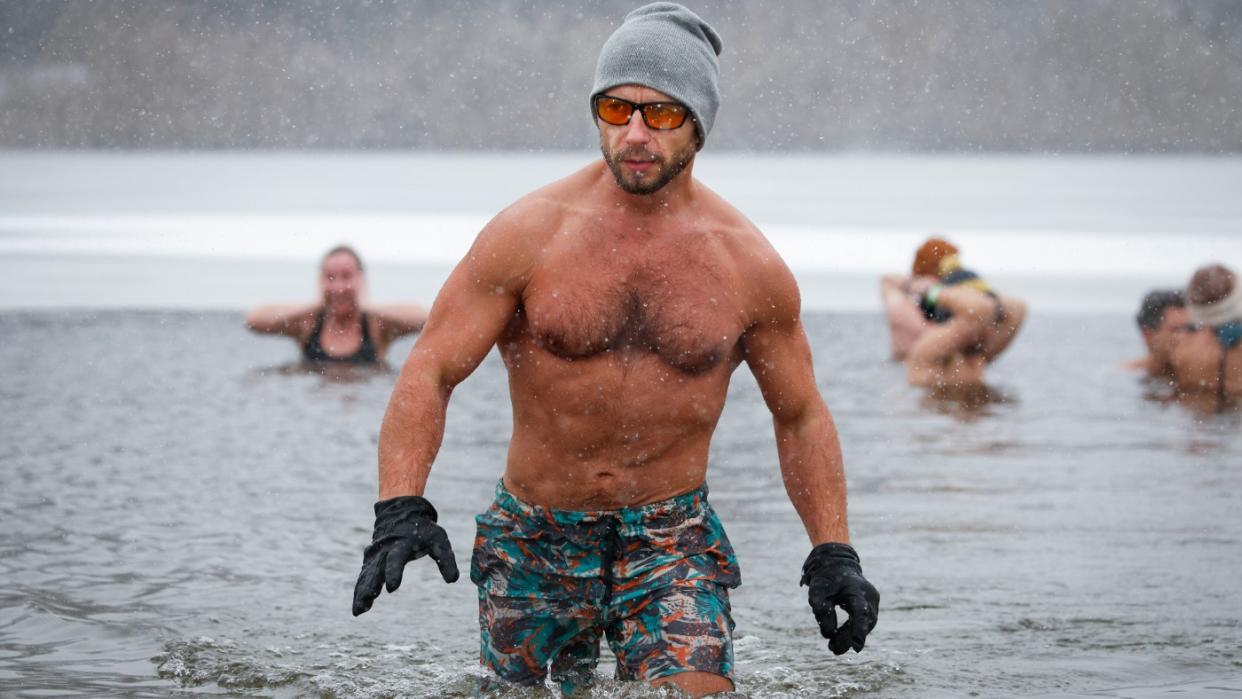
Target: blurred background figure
column 1162, row 319
column 339, row 327
column 1208, row 360
column 945, row 321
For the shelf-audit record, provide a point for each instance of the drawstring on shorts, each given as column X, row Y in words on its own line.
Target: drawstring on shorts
column 611, row 553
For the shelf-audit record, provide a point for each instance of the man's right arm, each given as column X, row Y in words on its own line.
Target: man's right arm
column 468, row 316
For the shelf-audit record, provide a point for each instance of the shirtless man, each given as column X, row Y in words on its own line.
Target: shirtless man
column 622, row 298
column 1208, row 361
column 1162, row 320
column 338, row 328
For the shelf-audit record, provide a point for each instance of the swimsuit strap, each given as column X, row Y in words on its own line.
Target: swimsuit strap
column 1220, row 380
column 1229, row 335
column 365, row 354
column 927, row 304
column 312, row 349
column 1221, row 377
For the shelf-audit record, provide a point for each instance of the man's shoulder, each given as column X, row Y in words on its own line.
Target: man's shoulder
column 542, row 210
column 724, row 223
column 769, row 283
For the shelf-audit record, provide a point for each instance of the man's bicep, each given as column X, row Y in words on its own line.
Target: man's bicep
column 476, row 303
column 775, row 345
column 466, row 320
column 780, row 359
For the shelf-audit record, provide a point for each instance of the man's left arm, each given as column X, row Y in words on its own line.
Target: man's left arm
column 778, row 353
column 806, row 437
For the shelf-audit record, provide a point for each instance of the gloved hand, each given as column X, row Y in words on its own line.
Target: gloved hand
column 834, row 575
column 405, row 530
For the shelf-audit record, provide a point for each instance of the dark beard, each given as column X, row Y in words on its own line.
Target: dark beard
column 669, row 169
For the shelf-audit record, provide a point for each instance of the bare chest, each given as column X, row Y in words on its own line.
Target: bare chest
column 682, row 308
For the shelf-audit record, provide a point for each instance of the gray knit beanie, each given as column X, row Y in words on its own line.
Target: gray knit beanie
column 666, row 47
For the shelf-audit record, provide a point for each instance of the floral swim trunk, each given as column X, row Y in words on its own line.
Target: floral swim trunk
column 653, row 579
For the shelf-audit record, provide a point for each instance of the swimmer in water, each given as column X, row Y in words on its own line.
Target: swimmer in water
column 1207, row 358
column 621, row 298
column 1162, row 320
column 945, row 321
column 339, row 328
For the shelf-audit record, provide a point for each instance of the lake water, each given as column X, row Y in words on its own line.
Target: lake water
column 184, row 509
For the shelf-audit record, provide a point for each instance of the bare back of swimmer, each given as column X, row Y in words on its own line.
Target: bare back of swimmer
column 1208, row 358
column 955, row 352
column 945, row 321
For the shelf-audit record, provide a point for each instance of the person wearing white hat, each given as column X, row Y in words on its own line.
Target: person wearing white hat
column 1209, row 359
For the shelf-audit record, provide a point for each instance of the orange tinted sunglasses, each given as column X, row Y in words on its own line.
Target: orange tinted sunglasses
column 660, row 116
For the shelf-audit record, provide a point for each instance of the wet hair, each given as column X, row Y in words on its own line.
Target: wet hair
column 345, row 249
column 1210, row 284
column 927, row 259
column 1155, row 303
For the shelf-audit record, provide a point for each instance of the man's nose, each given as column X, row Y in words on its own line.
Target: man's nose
column 636, row 131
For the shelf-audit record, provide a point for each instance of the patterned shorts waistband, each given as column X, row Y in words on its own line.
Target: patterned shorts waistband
column 678, row 506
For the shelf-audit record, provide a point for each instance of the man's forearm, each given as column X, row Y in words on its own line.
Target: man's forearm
column 811, row 466
column 411, row 432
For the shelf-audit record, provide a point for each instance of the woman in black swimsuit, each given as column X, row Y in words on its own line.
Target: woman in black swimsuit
column 338, row 328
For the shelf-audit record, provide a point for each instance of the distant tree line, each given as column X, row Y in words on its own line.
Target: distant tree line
column 939, row 75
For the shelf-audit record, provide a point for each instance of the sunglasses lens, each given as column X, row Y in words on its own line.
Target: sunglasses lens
column 613, row 111
column 664, row 116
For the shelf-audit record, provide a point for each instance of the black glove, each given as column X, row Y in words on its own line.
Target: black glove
column 834, row 575
column 405, row 530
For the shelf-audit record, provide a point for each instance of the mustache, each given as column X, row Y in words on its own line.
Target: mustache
column 638, row 153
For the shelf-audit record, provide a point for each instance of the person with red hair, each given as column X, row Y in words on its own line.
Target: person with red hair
column 945, row 321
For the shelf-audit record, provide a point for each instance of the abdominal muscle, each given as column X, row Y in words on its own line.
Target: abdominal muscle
column 601, row 484
column 616, row 430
